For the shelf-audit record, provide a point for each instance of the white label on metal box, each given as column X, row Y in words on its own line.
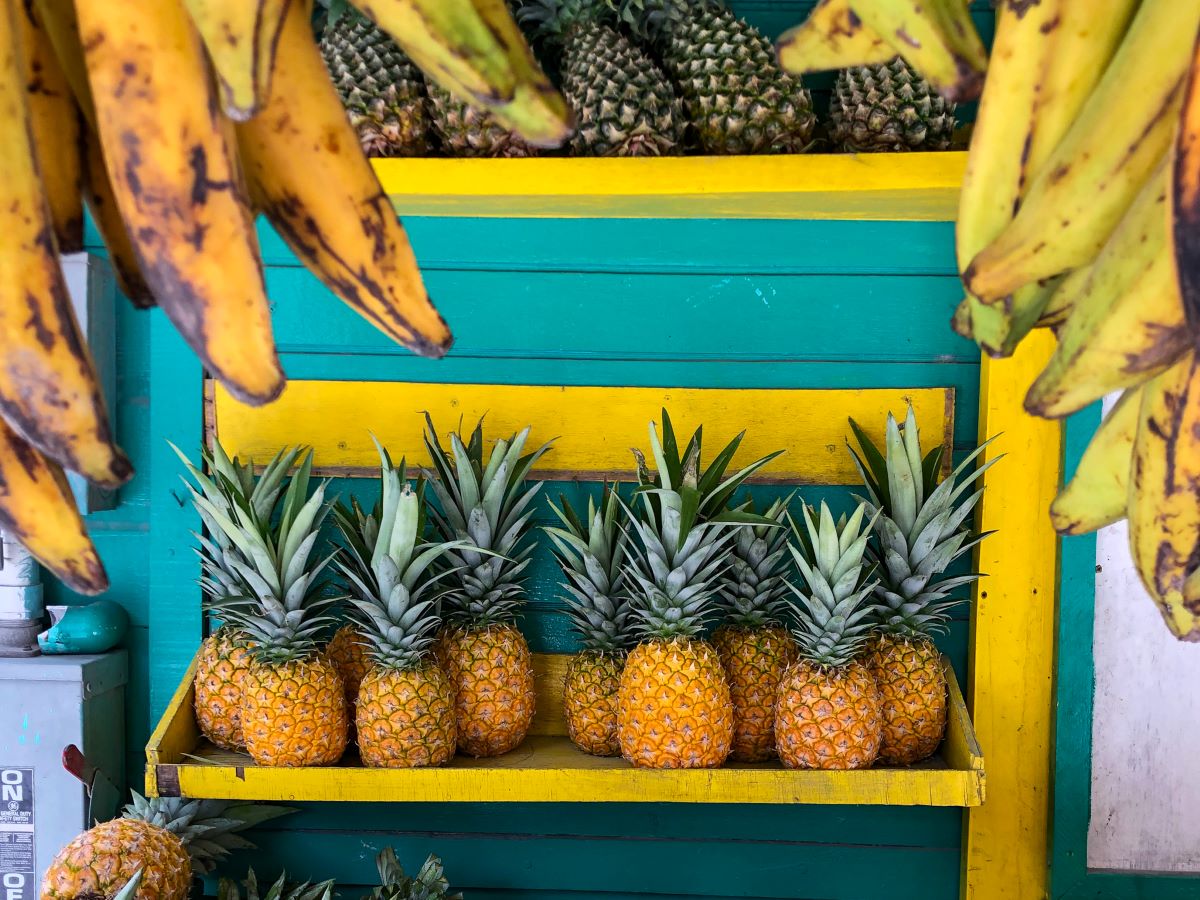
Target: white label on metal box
column 18, row 866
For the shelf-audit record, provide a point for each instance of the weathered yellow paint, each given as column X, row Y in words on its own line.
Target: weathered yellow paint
column 880, row 186
column 548, row 768
column 594, row 426
column 1012, row 674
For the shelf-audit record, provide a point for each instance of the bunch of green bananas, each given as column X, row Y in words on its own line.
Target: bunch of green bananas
column 1080, row 211
column 179, row 121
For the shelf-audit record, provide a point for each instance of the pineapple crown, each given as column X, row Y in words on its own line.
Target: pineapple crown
column 923, row 526
column 677, row 561
column 833, row 612
column 656, row 19
column 276, row 601
column 592, row 554
column 754, row 586
column 282, row 889
column 429, row 884
column 208, row 829
column 390, row 569
column 488, row 507
column 551, row 21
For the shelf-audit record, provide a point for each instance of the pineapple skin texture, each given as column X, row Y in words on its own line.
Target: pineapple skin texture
column 491, row 670
column 351, row 660
column 754, row 660
column 101, row 860
column 912, row 684
column 406, row 718
column 674, row 707
column 294, row 714
column 590, row 702
column 224, row 659
column 828, row 718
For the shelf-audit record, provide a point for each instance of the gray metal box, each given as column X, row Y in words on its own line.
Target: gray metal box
column 46, row 704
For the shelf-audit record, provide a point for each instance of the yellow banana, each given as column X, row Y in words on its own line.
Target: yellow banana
column 107, row 218
column 1126, row 322
column 38, row 509
column 1098, row 494
column 1185, row 200
column 1164, row 495
column 1062, row 300
column 57, row 129
column 58, row 19
column 832, row 37
column 241, row 37
column 48, row 387
column 175, row 177
column 1096, row 170
column 309, row 176
column 936, row 36
column 474, row 49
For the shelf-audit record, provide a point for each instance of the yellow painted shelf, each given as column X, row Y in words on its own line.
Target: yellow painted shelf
column 548, row 768
column 877, row 186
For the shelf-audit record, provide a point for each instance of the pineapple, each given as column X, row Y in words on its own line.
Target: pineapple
column 381, row 88
column 486, row 657
column 429, row 884
column 827, row 714
column 888, row 107
column 168, row 839
column 293, row 700
column 405, row 710
column 466, row 131
column 754, row 646
column 592, row 554
column 347, row 651
column 737, row 98
column 623, row 103
column 674, row 706
column 923, row 528
column 225, row 654
column 282, row 889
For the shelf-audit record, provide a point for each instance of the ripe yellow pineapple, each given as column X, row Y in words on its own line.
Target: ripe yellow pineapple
column 486, row 507
column 224, row 659
column 405, row 712
column 167, row 839
column 348, row 652
column 827, row 714
column 293, row 701
column 592, row 557
column 923, row 528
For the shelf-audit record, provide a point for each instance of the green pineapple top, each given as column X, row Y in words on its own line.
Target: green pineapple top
column 754, row 586
column 276, row 599
column 429, row 884
column 390, row 568
column 923, row 527
column 487, row 506
column 834, row 609
column 592, row 553
column 551, row 21
column 282, row 889
column 208, row 829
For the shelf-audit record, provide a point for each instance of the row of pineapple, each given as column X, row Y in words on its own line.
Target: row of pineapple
column 432, row 661
column 643, row 78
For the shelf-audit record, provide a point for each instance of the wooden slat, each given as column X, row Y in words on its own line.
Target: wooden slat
column 596, row 425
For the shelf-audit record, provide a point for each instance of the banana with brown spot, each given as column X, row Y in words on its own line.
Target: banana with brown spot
column 241, row 37
column 1185, row 200
column 832, row 37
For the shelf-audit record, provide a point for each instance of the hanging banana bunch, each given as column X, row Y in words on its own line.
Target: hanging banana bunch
column 178, row 122
column 1080, row 211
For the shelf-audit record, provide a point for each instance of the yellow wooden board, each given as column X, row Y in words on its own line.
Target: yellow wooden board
column 548, row 768
column 880, row 186
column 593, row 427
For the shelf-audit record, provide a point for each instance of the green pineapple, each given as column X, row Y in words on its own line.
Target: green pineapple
column 282, row 889
column 623, row 103
column 382, row 89
column 467, row 131
column 429, row 884
column 593, row 554
column 737, row 98
column 923, row 528
column 888, row 107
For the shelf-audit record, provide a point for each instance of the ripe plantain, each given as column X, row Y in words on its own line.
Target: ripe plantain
column 48, row 387
column 57, row 129
column 38, row 509
column 309, row 176
column 474, row 49
column 1185, row 200
column 1164, row 495
column 832, row 37
column 58, row 19
column 1126, row 323
column 175, row 176
column 1098, row 494
column 1097, row 169
column 241, row 37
